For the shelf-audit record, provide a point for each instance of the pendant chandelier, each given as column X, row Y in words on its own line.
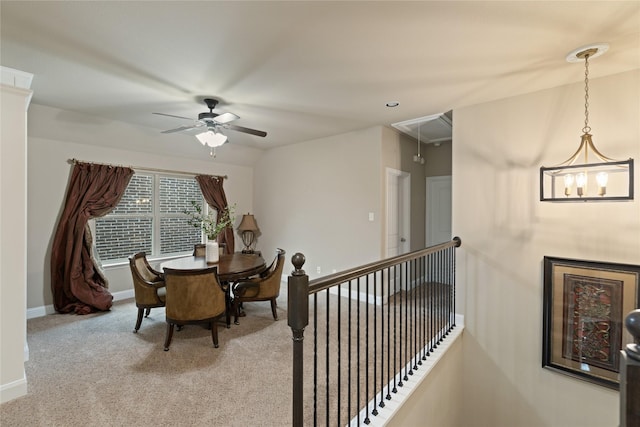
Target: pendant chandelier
column 580, row 178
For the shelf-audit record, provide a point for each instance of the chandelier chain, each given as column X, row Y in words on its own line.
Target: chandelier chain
column 586, row 128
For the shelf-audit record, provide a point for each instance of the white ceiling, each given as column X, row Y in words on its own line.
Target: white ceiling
column 304, row 70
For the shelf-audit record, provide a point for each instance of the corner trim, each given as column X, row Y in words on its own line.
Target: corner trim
column 14, row 389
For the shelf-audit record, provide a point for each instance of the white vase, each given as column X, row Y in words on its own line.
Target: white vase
column 213, row 253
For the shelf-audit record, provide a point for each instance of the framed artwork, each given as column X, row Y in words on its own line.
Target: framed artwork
column 584, row 307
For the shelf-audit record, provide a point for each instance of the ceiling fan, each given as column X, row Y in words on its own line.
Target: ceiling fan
column 212, row 122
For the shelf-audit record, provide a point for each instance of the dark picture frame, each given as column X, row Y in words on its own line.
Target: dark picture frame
column 584, row 306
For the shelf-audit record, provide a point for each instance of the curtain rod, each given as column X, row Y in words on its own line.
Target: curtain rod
column 74, row 161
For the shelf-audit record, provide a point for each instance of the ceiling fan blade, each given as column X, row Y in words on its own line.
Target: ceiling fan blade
column 225, row 118
column 171, row 115
column 180, row 129
column 246, row 130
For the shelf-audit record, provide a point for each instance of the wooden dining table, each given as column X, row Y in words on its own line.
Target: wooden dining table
column 231, row 267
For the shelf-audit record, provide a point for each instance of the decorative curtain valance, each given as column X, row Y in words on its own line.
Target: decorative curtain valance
column 77, row 281
column 211, row 187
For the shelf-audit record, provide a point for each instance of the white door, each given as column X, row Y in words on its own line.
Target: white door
column 438, row 225
column 398, row 212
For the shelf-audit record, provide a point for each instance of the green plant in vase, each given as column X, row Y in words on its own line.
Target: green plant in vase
column 210, row 223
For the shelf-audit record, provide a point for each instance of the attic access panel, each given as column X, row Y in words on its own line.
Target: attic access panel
column 433, row 129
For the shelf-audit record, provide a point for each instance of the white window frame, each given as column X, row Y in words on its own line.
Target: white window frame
column 156, row 217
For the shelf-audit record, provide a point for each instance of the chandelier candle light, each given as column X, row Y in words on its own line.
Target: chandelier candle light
column 604, row 180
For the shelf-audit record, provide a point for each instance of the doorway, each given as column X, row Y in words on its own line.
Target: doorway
column 398, row 212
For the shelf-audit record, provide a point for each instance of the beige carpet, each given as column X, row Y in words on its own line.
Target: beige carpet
column 92, row 370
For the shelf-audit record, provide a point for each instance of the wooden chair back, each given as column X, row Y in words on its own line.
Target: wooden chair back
column 193, row 296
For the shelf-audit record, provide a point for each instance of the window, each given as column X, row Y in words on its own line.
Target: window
column 149, row 218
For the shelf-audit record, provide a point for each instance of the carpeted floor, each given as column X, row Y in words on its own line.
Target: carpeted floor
column 92, row 370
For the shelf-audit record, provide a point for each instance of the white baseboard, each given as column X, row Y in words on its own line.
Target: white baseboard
column 119, row 296
column 41, row 311
column 379, row 299
column 13, row 389
column 359, row 296
column 44, row 310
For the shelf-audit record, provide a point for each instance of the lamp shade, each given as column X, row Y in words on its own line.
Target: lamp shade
column 248, row 223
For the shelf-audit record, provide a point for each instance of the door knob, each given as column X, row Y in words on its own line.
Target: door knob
column 402, row 239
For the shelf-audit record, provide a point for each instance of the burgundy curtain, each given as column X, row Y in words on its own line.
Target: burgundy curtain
column 211, row 187
column 76, row 282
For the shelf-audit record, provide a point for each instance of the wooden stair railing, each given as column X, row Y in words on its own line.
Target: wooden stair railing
column 630, row 374
column 396, row 311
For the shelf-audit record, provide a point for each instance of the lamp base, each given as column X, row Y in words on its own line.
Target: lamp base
column 247, row 239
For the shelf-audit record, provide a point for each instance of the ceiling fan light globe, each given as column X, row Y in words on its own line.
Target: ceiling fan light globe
column 211, row 138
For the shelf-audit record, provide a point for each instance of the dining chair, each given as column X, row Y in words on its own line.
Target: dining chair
column 194, row 297
column 148, row 286
column 200, row 249
column 265, row 287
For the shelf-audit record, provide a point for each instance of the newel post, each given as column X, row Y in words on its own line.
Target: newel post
column 630, row 374
column 298, row 319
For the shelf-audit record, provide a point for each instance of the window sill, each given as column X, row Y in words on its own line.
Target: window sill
column 154, row 260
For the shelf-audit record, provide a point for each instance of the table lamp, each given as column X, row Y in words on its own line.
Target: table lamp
column 248, row 228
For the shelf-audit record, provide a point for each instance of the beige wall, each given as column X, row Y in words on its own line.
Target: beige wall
column 49, row 172
column 437, row 159
column 497, row 151
column 436, row 401
column 315, row 198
